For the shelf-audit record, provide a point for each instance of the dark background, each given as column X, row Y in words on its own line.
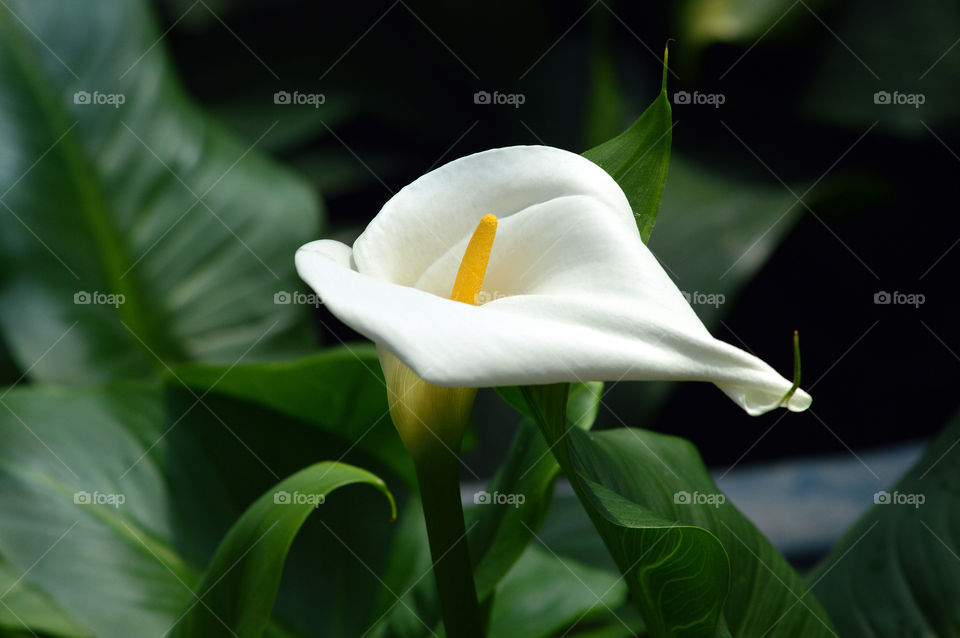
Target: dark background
column 798, row 80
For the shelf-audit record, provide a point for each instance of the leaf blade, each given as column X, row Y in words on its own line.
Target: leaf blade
column 173, row 234
column 915, row 591
column 638, row 159
column 240, row 584
column 640, row 490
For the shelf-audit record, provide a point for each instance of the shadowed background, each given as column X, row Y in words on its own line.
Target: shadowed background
column 798, row 198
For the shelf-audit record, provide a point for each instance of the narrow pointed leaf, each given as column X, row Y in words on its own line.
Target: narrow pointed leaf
column 638, row 159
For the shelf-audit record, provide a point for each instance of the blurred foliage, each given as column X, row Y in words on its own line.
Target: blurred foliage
column 894, row 573
column 143, row 237
column 896, row 47
column 399, row 81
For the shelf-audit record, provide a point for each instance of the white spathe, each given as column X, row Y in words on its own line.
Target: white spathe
column 571, row 292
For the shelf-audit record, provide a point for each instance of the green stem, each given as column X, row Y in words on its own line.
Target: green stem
column 438, row 476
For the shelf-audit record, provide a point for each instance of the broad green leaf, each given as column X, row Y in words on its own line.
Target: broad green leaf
column 147, row 199
column 340, row 390
column 638, row 159
column 544, row 594
column 244, row 449
column 238, row 588
column 895, row 572
column 569, row 532
column 694, row 564
column 15, row 634
column 185, row 478
column 24, row 608
column 64, row 461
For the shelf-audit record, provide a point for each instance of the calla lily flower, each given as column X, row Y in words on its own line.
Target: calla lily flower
column 569, row 293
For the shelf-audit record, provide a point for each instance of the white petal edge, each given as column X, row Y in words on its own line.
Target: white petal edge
column 532, row 339
column 425, row 218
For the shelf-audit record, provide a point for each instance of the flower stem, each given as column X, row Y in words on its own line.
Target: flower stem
column 439, row 481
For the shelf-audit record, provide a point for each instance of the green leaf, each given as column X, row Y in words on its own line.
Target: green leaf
column 185, row 478
column 569, row 532
column 497, row 535
column 503, row 531
column 25, row 608
column 544, row 594
column 896, row 572
column 340, row 390
column 65, row 462
column 238, row 588
column 583, row 402
column 322, row 594
column 694, row 564
column 147, row 199
column 638, row 159
column 570, row 536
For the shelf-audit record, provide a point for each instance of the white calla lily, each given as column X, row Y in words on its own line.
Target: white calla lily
column 571, row 293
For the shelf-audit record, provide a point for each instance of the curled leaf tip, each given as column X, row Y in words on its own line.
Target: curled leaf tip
column 796, row 370
column 393, row 505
